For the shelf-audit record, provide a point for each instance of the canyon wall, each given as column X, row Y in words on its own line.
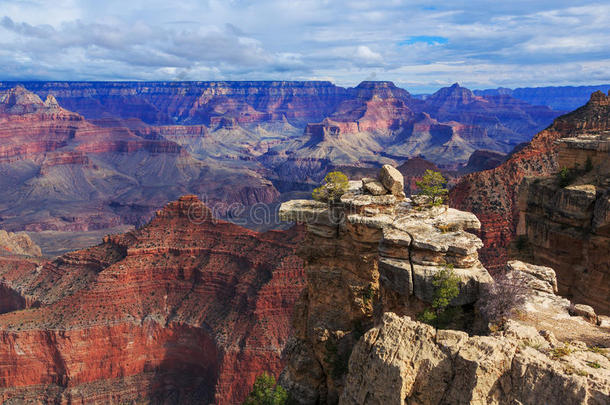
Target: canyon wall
column 565, row 223
column 365, row 255
column 370, row 261
column 187, row 309
column 492, row 195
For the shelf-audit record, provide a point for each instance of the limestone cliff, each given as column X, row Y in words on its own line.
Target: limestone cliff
column 365, row 255
column 370, row 259
column 567, row 226
column 532, row 360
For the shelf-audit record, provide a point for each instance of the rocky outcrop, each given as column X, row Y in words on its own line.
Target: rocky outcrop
column 187, row 309
column 493, row 195
column 18, row 243
column 403, row 361
column 530, row 360
column 366, row 254
column 567, row 226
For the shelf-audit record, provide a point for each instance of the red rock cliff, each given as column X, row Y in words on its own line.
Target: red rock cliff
column 186, row 309
column 492, row 194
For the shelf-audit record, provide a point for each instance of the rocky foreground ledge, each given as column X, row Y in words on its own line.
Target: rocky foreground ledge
column 370, row 260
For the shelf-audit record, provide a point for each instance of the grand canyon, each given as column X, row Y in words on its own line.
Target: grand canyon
column 126, row 237
column 304, row 203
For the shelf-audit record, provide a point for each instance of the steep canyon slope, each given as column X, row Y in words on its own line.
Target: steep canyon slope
column 187, row 309
column 492, row 195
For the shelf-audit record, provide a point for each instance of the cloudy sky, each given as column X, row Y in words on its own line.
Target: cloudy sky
column 420, row 45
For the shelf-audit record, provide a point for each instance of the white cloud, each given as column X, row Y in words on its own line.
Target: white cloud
column 510, row 44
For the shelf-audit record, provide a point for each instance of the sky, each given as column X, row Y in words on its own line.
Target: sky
column 419, row 45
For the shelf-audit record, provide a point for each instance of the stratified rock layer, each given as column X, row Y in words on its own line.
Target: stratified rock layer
column 402, row 361
column 537, row 359
column 186, row 309
column 567, row 226
column 492, row 195
column 366, row 254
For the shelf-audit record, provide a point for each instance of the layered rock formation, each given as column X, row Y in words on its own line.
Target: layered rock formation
column 567, row 226
column 186, row 309
column 366, row 254
column 402, row 361
column 492, row 195
column 63, row 173
column 539, row 358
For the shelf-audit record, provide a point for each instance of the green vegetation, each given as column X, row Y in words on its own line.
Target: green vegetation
column 446, row 285
column 593, row 364
column 265, row 391
column 559, row 352
column 566, row 177
column 432, row 185
column 335, row 185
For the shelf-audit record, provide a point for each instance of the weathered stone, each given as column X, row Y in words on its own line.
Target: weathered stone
column 585, row 311
column 469, row 285
column 401, row 361
column 395, row 275
column 373, row 187
column 393, row 180
column 539, row 278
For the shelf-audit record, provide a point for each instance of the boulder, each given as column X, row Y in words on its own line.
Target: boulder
column 373, row 186
column 585, row 311
column 393, row 180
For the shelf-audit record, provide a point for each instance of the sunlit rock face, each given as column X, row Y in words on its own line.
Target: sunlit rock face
column 186, row 309
column 364, row 255
column 492, row 195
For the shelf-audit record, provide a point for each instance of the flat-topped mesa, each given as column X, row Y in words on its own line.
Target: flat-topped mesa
column 365, row 255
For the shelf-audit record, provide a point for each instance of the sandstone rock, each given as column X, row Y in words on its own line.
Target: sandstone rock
column 396, row 275
column 402, row 361
column 373, row 187
column 384, row 250
column 539, row 278
column 494, row 194
column 205, row 304
column 469, row 285
column 586, row 312
column 392, row 180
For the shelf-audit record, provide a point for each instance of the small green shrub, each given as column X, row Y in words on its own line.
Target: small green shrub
column 559, row 352
column 566, row 177
column 446, row 285
column 334, row 186
column 265, row 391
column 593, row 364
column 432, row 186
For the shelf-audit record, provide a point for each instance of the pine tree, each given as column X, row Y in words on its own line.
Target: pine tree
column 432, row 185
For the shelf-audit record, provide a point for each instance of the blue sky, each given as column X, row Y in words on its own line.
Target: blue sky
column 420, row 45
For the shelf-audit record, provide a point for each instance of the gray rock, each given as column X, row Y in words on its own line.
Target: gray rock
column 373, row 186
column 393, row 180
column 395, row 275
column 585, row 311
